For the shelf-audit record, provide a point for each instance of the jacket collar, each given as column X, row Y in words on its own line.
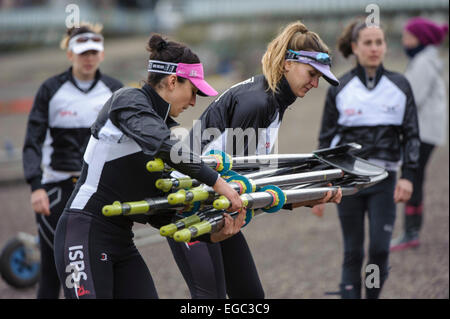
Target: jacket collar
column 360, row 72
column 284, row 96
column 160, row 106
column 97, row 77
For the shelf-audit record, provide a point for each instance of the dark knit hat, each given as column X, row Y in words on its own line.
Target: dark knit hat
column 427, row 31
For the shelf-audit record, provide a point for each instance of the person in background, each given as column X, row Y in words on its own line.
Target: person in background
column 421, row 38
column 58, row 130
column 375, row 108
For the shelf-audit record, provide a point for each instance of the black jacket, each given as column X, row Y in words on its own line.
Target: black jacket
column 59, row 126
column 132, row 128
column 383, row 119
column 250, row 111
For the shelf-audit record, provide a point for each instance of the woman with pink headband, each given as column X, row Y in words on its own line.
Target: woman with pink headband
column 292, row 65
column 95, row 255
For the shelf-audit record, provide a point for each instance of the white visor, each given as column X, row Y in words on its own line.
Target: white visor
column 84, row 42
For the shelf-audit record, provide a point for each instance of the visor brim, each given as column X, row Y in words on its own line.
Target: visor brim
column 326, row 72
column 204, row 89
column 87, row 46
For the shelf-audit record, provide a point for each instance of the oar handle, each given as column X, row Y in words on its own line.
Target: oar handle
column 112, row 210
column 166, row 184
column 128, row 208
column 177, row 197
column 196, row 230
column 222, row 203
column 157, row 165
column 170, row 229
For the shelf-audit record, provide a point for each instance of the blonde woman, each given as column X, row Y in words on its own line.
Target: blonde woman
column 58, row 130
column 292, row 65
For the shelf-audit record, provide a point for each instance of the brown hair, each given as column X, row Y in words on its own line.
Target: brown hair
column 349, row 35
column 83, row 28
column 167, row 51
column 295, row 36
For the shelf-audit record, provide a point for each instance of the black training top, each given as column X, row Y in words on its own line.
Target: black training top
column 59, row 126
column 379, row 113
column 244, row 120
column 132, row 128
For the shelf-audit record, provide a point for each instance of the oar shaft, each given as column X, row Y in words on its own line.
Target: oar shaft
column 314, row 176
column 269, row 159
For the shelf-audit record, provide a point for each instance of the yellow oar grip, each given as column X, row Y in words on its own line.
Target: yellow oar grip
column 157, row 165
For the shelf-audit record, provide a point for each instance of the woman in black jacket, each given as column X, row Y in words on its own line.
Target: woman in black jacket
column 244, row 120
column 373, row 107
column 58, row 131
column 95, row 255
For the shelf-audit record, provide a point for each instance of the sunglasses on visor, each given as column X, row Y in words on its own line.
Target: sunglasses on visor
column 321, row 57
column 82, row 38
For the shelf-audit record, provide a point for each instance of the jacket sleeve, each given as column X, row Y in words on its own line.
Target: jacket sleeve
column 145, row 127
column 421, row 75
column 34, row 138
column 329, row 126
column 410, row 137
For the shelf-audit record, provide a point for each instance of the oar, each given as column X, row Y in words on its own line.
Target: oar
column 223, row 162
column 263, row 199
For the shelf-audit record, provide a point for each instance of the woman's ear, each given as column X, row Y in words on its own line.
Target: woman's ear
column 69, row 55
column 287, row 66
column 354, row 48
column 171, row 82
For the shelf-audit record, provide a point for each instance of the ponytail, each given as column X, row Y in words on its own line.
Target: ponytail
column 296, row 37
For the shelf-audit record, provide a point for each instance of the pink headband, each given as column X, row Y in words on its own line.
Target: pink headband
column 192, row 72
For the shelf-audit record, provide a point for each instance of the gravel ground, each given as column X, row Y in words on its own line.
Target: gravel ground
column 298, row 255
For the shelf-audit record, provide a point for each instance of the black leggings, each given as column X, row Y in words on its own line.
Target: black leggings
column 97, row 259
column 58, row 193
column 212, row 271
column 378, row 201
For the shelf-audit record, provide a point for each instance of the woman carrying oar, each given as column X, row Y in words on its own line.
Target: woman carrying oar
column 292, row 65
column 95, row 255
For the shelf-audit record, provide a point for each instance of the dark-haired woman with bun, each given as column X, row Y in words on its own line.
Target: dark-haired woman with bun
column 58, row 131
column 373, row 107
column 95, row 255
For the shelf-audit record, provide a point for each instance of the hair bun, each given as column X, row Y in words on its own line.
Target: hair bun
column 157, row 43
column 162, row 45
